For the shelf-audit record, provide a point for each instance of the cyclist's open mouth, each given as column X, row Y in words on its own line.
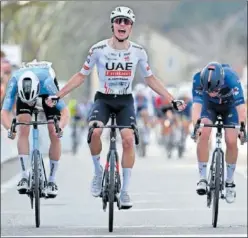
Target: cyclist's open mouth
column 122, row 32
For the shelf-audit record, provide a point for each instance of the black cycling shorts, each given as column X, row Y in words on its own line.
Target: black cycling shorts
column 121, row 105
column 23, row 108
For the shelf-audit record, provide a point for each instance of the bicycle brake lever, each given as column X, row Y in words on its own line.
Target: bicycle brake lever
column 13, row 126
column 136, row 133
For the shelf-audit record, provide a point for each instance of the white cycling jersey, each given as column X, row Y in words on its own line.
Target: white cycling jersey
column 116, row 68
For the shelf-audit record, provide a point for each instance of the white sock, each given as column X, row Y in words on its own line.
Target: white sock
column 230, row 168
column 97, row 164
column 53, row 169
column 126, row 178
column 24, row 160
column 202, row 169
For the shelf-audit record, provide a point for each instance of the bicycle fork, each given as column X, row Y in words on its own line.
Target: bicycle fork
column 106, row 179
column 211, row 178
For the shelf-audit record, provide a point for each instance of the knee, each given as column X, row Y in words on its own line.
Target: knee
column 205, row 135
column 127, row 142
column 24, row 132
column 96, row 134
column 231, row 141
column 52, row 134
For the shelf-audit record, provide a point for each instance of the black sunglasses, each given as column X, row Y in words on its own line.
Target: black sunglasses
column 126, row 21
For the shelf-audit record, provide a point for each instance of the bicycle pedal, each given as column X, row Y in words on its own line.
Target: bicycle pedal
column 222, row 196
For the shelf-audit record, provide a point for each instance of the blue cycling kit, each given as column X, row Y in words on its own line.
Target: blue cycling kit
column 229, row 96
column 47, row 86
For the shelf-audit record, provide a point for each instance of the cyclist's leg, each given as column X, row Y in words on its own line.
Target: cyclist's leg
column 231, row 138
column 54, row 149
column 125, row 117
column 23, row 112
column 99, row 113
column 207, row 116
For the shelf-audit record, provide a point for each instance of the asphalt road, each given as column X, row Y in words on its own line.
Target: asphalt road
column 163, row 192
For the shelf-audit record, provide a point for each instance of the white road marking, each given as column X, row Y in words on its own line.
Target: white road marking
column 181, row 235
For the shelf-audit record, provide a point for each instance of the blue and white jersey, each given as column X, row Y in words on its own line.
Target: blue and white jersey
column 231, row 92
column 46, row 75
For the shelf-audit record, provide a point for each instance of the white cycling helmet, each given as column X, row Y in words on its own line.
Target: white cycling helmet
column 28, row 87
column 122, row 12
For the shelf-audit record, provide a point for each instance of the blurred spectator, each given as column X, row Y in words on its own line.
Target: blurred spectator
column 6, row 70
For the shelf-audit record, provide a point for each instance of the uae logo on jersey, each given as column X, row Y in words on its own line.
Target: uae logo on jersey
column 119, row 69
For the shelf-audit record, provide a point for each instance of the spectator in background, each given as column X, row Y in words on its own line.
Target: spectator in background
column 6, row 70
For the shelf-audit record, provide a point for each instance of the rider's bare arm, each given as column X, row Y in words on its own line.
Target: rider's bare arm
column 158, row 87
column 6, row 119
column 242, row 112
column 75, row 81
column 196, row 112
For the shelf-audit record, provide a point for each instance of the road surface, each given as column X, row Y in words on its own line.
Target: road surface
column 163, row 192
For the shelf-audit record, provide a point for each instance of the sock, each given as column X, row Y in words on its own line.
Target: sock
column 230, row 168
column 202, row 169
column 53, row 169
column 126, row 178
column 24, row 159
column 97, row 164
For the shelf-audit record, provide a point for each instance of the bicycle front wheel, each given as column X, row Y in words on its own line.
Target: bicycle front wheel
column 111, row 195
column 217, row 185
column 36, row 161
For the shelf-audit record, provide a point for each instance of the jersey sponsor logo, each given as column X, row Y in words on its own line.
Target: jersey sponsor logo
column 235, row 91
column 121, row 79
column 116, row 84
column 119, row 69
column 137, row 47
column 109, row 57
column 99, row 47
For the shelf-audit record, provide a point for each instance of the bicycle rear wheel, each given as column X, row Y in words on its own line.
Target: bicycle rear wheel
column 36, row 161
column 111, row 194
column 216, row 191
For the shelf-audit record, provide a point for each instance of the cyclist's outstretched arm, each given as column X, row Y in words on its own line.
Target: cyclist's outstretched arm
column 77, row 79
column 9, row 100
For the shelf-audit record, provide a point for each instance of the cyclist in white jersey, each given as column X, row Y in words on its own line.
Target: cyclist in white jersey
column 116, row 60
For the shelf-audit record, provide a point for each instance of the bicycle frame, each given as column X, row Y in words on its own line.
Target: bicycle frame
column 216, row 172
column 111, row 182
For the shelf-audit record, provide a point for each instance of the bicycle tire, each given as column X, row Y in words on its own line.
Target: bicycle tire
column 216, row 192
column 111, row 194
column 36, row 157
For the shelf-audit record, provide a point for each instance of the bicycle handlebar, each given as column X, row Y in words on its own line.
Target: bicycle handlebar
column 241, row 128
column 15, row 123
column 132, row 126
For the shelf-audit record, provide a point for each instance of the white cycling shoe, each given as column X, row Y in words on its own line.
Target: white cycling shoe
column 125, row 200
column 96, row 185
column 230, row 192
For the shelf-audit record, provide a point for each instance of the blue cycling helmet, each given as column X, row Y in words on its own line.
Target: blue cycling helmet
column 212, row 77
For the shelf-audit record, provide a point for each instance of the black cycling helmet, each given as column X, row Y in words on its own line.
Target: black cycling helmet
column 212, row 77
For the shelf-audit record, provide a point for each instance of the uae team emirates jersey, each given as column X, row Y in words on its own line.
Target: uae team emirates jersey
column 116, row 68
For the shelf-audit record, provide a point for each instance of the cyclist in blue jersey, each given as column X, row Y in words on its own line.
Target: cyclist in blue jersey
column 33, row 80
column 217, row 90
